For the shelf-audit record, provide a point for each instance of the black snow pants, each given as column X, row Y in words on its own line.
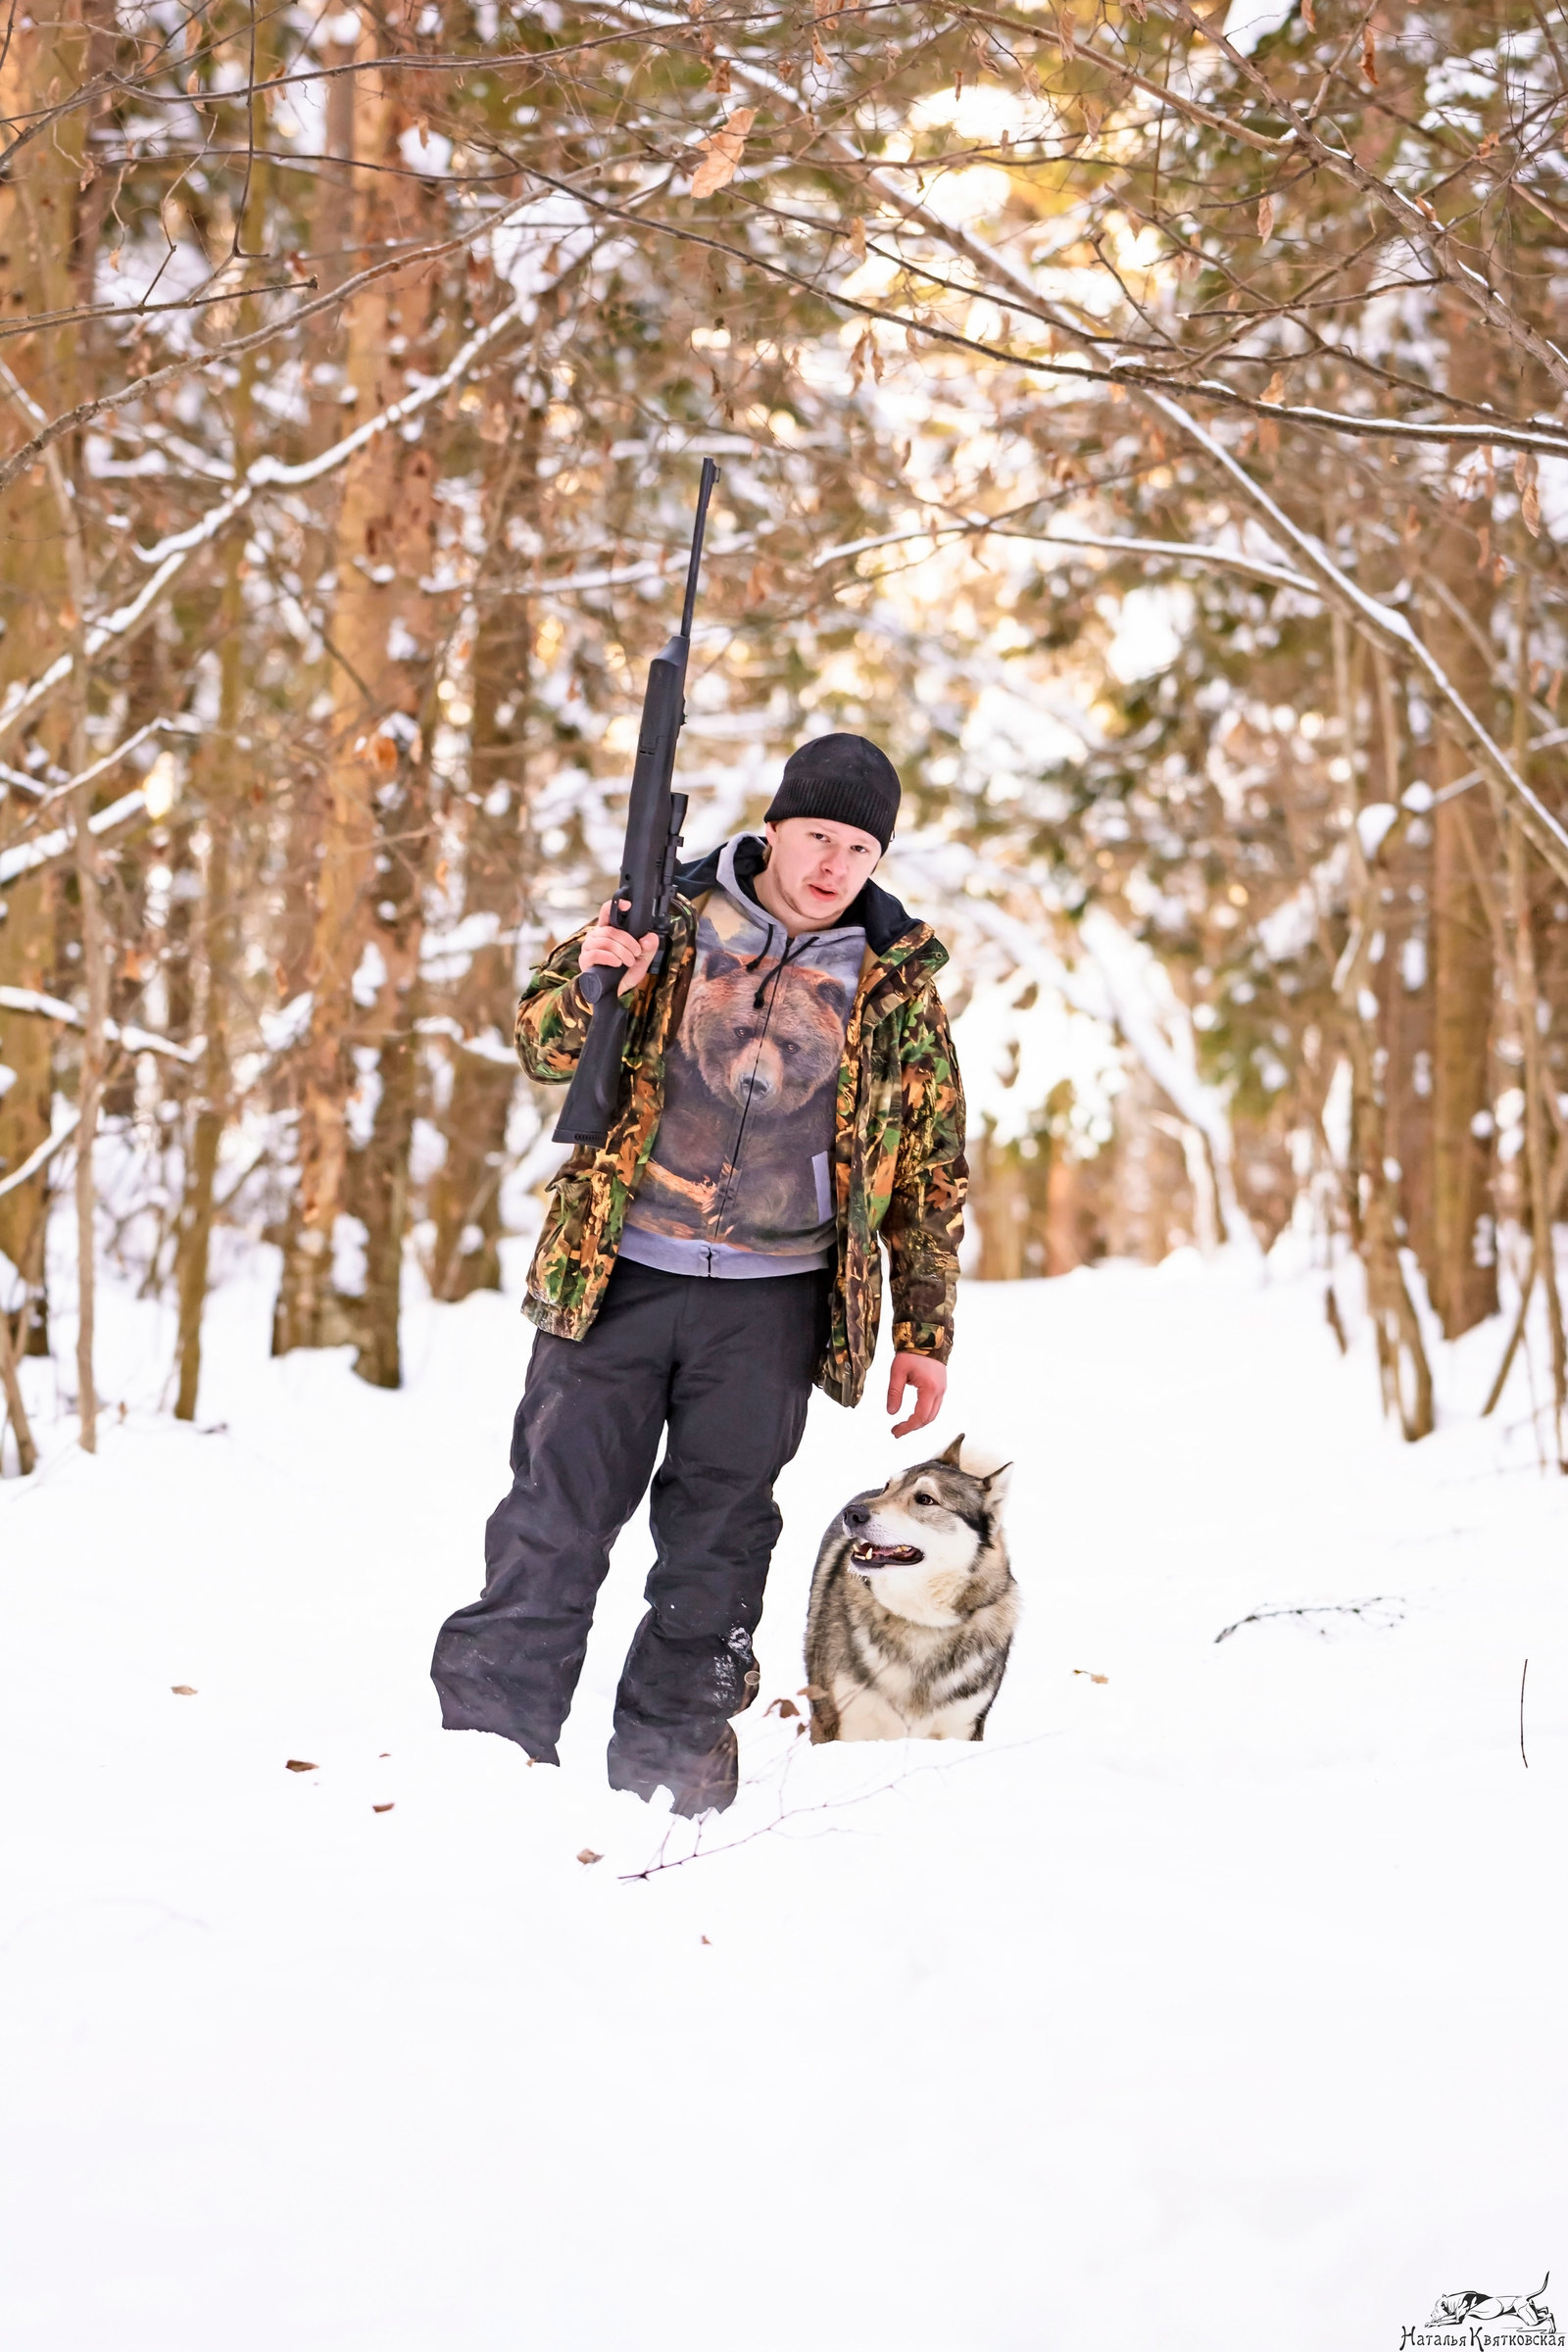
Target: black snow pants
column 727, row 1368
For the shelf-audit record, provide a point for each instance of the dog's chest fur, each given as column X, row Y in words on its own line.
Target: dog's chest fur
column 904, row 1648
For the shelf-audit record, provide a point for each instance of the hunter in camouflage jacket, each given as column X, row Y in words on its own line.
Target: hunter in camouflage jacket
column 899, row 1170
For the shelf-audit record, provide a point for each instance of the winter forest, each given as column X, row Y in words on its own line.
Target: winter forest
column 1147, row 419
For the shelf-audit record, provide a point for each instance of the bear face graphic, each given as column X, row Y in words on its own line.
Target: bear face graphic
column 770, row 1060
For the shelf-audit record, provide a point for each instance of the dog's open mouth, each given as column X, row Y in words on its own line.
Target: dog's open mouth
column 885, row 1555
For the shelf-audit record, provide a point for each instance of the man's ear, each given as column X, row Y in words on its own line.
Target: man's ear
column 954, row 1453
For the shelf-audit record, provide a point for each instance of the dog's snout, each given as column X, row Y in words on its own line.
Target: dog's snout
column 855, row 1515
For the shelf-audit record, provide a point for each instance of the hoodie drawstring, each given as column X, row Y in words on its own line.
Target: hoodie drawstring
column 777, row 972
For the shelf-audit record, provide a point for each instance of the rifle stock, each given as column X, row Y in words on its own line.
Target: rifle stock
column 640, row 903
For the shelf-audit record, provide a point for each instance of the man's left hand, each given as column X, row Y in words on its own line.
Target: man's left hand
column 929, row 1381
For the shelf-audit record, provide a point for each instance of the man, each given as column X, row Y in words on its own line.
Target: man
column 790, row 1096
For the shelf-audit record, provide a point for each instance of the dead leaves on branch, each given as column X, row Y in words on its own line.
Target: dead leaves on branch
column 1526, row 472
column 721, row 153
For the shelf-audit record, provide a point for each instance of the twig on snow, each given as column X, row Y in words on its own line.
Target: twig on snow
column 1328, row 1608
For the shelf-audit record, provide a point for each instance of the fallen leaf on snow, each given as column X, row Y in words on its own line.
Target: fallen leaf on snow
column 386, row 1808
column 183, row 1690
column 707, row 1939
column 588, row 1856
column 1092, row 1678
column 297, row 1764
column 782, row 1707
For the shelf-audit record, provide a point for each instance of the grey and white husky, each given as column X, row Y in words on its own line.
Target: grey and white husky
column 912, row 1607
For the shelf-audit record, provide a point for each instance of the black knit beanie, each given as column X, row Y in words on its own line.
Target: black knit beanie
column 842, row 777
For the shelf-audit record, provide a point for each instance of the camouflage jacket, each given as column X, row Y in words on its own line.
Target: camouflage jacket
column 899, row 1170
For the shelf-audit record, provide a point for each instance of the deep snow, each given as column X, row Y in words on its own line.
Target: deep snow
column 1216, row 2004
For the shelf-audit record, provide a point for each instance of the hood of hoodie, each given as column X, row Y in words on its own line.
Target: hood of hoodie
column 898, row 940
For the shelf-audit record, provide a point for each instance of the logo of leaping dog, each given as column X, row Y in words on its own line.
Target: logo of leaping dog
column 1469, row 2303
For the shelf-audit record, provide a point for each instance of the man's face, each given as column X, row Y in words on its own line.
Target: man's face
column 819, row 866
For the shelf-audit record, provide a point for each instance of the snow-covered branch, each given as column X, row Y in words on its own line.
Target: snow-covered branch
column 28, row 856
column 134, row 1040
column 173, row 553
column 1178, row 551
column 1390, row 631
column 41, row 1154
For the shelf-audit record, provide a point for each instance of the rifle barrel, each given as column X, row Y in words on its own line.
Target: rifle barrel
column 704, row 493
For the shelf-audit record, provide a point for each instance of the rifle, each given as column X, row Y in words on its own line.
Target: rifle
column 655, row 816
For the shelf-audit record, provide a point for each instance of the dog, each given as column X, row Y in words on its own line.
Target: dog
column 1469, row 2303
column 913, row 1608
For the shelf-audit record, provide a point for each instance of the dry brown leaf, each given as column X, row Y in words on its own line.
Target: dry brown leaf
column 1530, row 509
column 721, row 153
column 1369, row 55
column 588, row 1856
column 298, row 1764
column 722, row 78
column 707, row 1939
column 1091, row 1677
column 819, row 56
column 858, row 238
column 1274, row 392
column 386, row 1808
column 1307, row 18
column 1265, row 219
column 183, row 1690
column 782, row 1707
column 1489, row 143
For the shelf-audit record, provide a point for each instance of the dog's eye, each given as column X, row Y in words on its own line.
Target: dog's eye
column 742, row 1032
column 928, row 1499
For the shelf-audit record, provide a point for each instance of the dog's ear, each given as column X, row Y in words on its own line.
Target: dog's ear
column 997, row 1484
column 955, row 1452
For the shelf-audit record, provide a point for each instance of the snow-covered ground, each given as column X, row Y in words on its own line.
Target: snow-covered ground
column 1214, row 2003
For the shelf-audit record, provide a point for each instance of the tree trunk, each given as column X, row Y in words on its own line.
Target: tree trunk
column 466, row 1197
column 380, row 635
column 41, row 211
column 1462, row 1268
column 381, row 1178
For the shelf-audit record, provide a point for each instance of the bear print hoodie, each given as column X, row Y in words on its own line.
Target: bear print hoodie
column 737, row 1182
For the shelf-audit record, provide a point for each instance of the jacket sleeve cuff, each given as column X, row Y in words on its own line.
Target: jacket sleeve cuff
column 910, row 1338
